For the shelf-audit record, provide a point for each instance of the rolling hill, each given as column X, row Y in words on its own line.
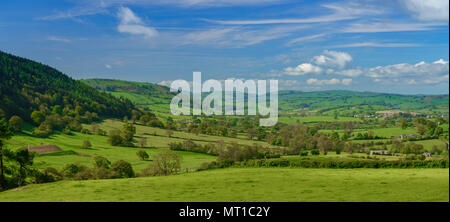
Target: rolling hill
column 153, row 96
column 27, row 86
column 158, row 98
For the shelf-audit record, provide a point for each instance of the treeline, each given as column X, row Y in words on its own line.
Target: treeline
column 426, row 128
column 18, row 169
column 49, row 99
column 228, row 151
column 163, row 164
column 334, row 164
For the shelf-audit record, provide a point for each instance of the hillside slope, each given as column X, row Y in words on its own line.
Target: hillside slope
column 252, row 184
column 158, row 98
column 341, row 100
column 153, row 96
column 27, row 86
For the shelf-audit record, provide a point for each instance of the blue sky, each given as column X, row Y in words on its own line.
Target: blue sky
column 383, row 46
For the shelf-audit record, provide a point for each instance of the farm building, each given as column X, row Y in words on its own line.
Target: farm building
column 379, row 152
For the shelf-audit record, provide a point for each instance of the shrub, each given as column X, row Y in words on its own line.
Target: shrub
column 85, row 131
column 44, row 130
column 16, row 123
column 84, row 174
column 67, row 131
column 101, row 162
column 71, row 170
column 41, row 177
column 86, row 144
column 114, row 138
column 142, row 155
column 50, row 171
column 122, row 169
column 315, row 152
column 304, row 153
column 164, row 164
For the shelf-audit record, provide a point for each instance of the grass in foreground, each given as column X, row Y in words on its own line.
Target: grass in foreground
column 253, row 184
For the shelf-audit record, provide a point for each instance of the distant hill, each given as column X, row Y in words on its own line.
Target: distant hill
column 146, row 95
column 158, row 98
column 27, row 86
column 351, row 101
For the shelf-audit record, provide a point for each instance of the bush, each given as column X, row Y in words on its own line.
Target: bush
column 114, row 138
column 101, row 162
column 16, row 123
column 304, row 153
column 67, row 131
column 142, row 155
column 315, row 152
column 50, row 171
column 86, row 144
column 84, row 174
column 122, row 169
column 49, row 174
column 85, row 131
column 71, row 170
column 163, row 164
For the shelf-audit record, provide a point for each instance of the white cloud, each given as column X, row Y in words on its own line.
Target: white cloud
column 58, row 39
column 421, row 69
column 440, row 61
column 132, row 24
column 333, row 81
column 108, row 66
column 303, row 69
column 428, row 10
column 333, row 59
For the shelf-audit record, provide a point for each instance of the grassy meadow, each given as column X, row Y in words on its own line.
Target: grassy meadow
column 74, row 153
column 253, row 184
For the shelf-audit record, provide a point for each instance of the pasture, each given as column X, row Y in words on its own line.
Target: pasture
column 253, row 184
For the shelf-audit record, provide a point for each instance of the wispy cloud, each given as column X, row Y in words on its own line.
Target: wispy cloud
column 238, row 36
column 93, row 7
column 58, row 39
column 339, row 13
column 374, row 44
column 386, row 27
column 333, row 81
column 305, row 38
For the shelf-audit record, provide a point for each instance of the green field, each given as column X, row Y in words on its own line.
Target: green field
column 157, row 142
column 314, row 119
column 74, row 153
column 252, row 184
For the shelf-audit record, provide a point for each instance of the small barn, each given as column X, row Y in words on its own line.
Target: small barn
column 379, row 152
